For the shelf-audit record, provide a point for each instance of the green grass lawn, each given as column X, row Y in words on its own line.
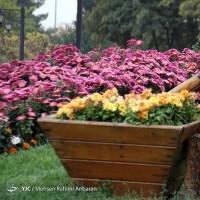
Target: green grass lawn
column 39, row 168
column 35, row 169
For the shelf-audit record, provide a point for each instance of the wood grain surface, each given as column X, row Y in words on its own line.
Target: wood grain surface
column 114, row 152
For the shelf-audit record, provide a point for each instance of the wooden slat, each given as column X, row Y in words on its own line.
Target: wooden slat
column 189, row 84
column 111, row 132
column 116, row 171
column 123, row 187
column 192, row 179
column 189, row 130
column 196, row 89
column 177, row 171
column 113, row 152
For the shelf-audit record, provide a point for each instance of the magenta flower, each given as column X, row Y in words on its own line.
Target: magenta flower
column 43, row 114
column 22, row 117
column 139, row 43
column 22, row 83
column 33, row 78
column 53, row 78
column 5, row 91
column 46, row 101
column 3, row 105
column 133, row 42
column 42, row 75
column 31, row 114
column 53, row 104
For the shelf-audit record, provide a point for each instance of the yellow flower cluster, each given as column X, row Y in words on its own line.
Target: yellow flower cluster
column 146, row 101
column 112, row 101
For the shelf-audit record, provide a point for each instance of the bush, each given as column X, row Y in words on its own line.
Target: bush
column 196, row 47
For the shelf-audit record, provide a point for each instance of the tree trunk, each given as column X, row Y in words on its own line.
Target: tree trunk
column 192, row 175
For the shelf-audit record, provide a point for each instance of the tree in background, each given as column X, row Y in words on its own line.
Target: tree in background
column 88, row 4
column 160, row 24
column 36, row 43
column 190, row 9
column 32, row 22
column 62, row 35
column 91, row 40
column 9, row 43
column 9, row 48
column 196, row 47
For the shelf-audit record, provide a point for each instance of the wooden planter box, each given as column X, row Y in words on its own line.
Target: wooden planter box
column 134, row 158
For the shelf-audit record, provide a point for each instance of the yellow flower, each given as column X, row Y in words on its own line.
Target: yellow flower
column 198, row 107
column 162, row 100
column 79, row 103
column 135, row 108
column 59, row 105
column 67, row 110
column 113, row 98
column 144, row 104
column 8, row 130
column 146, row 94
column 154, row 101
column 123, row 110
column 109, row 106
column 109, row 93
column 132, row 102
column 185, row 94
column 120, row 100
column 141, row 105
column 193, row 96
column 129, row 97
column 179, row 104
column 174, row 100
column 69, row 113
column 59, row 113
column 143, row 114
column 86, row 101
column 121, row 106
column 96, row 97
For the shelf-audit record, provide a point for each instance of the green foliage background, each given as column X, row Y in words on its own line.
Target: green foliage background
column 161, row 24
column 9, row 42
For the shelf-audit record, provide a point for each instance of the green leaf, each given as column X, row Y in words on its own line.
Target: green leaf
column 158, row 118
column 2, row 137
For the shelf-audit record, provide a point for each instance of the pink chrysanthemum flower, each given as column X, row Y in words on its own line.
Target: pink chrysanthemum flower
column 31, row 114
column 22, row 117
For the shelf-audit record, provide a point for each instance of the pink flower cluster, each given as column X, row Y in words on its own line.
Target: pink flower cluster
column 133, row 70
column 133, row 43
column 65, row 72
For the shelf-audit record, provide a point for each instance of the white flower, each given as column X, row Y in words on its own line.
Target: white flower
column 15, row 140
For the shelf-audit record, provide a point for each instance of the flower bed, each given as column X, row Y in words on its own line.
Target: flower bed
column 30, row 89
